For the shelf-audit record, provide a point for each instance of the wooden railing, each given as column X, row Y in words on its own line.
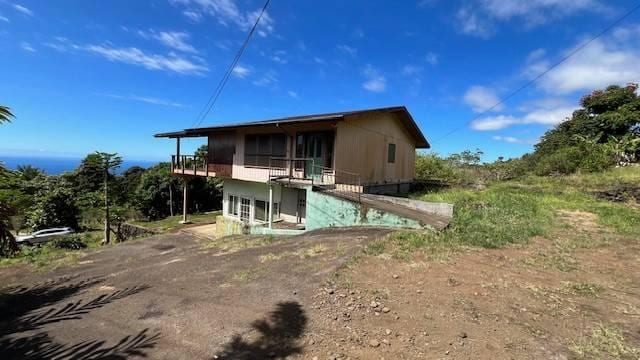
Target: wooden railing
column 189, row 165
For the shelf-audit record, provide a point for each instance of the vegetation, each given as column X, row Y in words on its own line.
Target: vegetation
column 604, row 133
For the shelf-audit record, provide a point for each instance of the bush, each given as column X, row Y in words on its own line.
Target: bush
column 72, row 242
column 434, row 167
column 54, row 207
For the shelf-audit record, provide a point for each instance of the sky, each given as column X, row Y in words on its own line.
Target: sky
column 82, row 76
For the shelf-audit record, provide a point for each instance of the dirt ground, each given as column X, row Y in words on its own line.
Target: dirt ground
column 178, row 296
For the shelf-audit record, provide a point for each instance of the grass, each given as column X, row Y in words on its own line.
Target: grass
column 50, row 256
column 584, row 289
column 232, row 243
column 604, row 343
column 173, row 222
column 513, row 212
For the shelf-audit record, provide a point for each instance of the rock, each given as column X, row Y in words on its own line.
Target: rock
column 385, row 309
column 463, row 335
column 314, row 358
column 374, row 343
column 311, row 342
column 374, row 304
column 387, row 331
column 395, row 276
column 419, row 291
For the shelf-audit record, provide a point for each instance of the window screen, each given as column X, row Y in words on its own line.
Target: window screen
column 234, row 205
column 260, row 148
column 391, row 153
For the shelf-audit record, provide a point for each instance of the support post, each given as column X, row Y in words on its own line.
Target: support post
column 178, row 151
column 185, row 203
column 270, row 206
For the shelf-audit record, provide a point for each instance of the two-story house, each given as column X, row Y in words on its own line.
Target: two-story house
column 275, row 170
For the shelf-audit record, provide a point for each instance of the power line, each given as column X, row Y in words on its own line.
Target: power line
column 218, row 90
column 535, row 79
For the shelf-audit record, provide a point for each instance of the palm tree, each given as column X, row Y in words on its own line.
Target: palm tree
column 7, row 241
column 5, row 114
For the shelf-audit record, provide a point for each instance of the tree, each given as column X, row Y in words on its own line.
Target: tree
column 105, row 162
column 28, row 172
column 5, row 114
column 153, row 196
column 7, row 241
column 54, row 205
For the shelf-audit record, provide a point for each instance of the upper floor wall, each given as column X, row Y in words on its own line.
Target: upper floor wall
column 376, row 145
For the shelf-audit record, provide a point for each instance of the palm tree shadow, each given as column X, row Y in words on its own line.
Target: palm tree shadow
column 27, row 309
column 278, row 335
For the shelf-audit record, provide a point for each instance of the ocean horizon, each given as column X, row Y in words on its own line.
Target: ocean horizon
column 59, row 165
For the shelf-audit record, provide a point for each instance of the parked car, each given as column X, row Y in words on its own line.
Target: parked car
column 42, row 236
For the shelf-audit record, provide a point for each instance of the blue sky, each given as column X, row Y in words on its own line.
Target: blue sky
column 106, row 75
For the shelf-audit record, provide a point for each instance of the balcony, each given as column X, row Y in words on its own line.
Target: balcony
column 305, row 171
column 195, row 165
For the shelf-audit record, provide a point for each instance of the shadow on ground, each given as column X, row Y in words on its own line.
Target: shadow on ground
column 278, row 335
column 26, row 310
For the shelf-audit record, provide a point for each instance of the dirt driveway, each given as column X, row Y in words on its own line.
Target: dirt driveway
column 174, row 296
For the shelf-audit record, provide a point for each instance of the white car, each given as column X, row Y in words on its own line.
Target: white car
column 42, row 236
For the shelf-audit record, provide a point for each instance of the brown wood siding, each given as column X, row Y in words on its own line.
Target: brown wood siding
column 222, row 146
column 361, row 146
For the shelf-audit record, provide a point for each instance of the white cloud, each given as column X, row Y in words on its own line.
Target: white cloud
column 23, row 9
column 293, row 94
column 146, row 99
column 134, row 56
column 542, row 116
column 432, row 58
column 171, row 62
column 482, row 99
column 479, row 17
column 603, row 62
column 411, row 70
column 27, row 47
column 192, row 15
column 494, row 122
column 471, row 23
column 5, row 19
column 226, row 12
column 375, row 82
column 178, row 40
column 240, row 71
column 512, row 140
column 268, row 78
column 347, row 49
column 319, row 60
column 278, row 57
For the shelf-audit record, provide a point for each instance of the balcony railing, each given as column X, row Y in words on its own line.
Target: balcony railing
column 305, row 170
column 198, row 166
column 189, row 165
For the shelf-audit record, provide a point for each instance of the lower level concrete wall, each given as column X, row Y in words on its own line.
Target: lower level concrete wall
column 328, row 211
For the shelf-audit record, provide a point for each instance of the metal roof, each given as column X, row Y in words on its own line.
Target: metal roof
column 401, row 111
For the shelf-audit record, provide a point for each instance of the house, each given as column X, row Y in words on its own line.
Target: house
column 306, row 172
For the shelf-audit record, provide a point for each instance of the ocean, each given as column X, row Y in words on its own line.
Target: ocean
column 56, row 166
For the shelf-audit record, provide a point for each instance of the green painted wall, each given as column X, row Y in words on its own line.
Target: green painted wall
column 328, row 211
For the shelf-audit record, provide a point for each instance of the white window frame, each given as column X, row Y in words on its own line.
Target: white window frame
column 231, row 211
column 276, row 210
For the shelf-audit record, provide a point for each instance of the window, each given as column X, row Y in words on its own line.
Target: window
column 260, row 148
column 234, row 204
column 261, row 211
column 391, row 154
column 245, row 209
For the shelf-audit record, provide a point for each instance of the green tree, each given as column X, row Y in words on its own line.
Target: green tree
column 7, row 241
column 105, row 162
column 28, row 172
column 153, row 196
column 5, row 114
column 54, row 205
